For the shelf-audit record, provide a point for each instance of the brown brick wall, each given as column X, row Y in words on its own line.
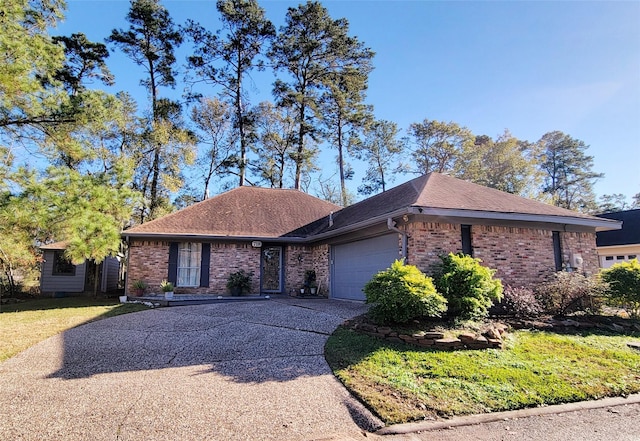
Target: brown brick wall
column 148, row 261
column 583, row 244
column 227, row 258
column 321, row 265
column 521, row 256
column 429, row 240
column 299, row 259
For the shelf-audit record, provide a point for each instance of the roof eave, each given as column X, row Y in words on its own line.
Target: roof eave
column 599, row 224
column 358, row 225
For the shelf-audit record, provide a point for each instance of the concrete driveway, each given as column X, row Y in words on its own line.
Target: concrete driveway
column 243, row 371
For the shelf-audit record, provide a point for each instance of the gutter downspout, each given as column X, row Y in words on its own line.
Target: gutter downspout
column 391, row 225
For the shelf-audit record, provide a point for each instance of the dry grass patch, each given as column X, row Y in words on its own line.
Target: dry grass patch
column 24, row 324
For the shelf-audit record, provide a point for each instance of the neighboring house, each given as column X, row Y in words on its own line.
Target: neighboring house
column 279, row 234
column 620, row 245
column 60, row 277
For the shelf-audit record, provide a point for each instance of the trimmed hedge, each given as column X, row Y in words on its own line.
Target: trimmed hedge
column 402, row 293
column 469, row 287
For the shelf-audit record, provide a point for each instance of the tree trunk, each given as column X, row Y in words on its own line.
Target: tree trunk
column 300, row 148
column 96, row 279
column 343, row 186
column 239, row 115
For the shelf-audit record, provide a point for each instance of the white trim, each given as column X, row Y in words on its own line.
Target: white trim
column 600, row 224
column 615, row 247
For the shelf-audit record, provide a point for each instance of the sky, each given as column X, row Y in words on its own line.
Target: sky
column 529, row 67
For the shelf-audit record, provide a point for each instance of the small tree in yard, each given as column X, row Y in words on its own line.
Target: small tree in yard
column 469, row 287
column 401, row 293
column 624, row 285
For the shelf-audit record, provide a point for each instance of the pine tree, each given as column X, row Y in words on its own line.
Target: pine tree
column 150, row 42
column 226, row 61
column 568, row 174
column 382, row 149
column 317, row 54
column 274, row 148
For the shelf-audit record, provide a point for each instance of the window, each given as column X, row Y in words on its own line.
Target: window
column 631, row 256
column 62, row 266
column 466, row 240
column 609, row 258
column 189, row 260
column 557, row 250
column 619, row 257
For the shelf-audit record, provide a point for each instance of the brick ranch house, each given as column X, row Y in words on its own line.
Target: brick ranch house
column 280, row 234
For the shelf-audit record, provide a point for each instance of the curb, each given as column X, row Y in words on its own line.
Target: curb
column 425, row 426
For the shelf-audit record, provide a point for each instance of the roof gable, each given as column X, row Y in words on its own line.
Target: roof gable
column 241, row 212
column 441, row 192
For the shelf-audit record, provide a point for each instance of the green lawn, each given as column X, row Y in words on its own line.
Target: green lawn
column 402, row 383
column 24, row 324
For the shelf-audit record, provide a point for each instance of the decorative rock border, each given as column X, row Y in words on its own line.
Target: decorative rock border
column 489, row 339
column 572, row 324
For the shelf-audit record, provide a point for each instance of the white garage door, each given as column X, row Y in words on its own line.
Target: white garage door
column 355, row 263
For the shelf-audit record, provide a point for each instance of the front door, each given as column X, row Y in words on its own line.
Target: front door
column 271, row 269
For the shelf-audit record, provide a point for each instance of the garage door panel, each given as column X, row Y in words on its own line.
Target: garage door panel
column 355, row 263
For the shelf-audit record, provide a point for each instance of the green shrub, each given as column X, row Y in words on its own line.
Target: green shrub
column 239, row 282
column 401, row 293
column 469, row 287
column 568, row 292
column 624, row 285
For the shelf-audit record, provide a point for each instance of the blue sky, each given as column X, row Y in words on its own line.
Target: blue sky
column 530, row 67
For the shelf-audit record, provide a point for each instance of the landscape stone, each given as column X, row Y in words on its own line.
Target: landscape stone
column 448, row 343
column 425, row 342
column 492, row 333
column 634, row 345
column 467, row 337
column 617, row 328
column 495, row 343
column 367, row 327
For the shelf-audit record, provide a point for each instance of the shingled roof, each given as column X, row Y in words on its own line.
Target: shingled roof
column 252, row 212
column 628, row 235
column 439, row 194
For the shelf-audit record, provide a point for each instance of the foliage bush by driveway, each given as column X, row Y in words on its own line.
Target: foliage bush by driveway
column 468, row 286
column 401, row 293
